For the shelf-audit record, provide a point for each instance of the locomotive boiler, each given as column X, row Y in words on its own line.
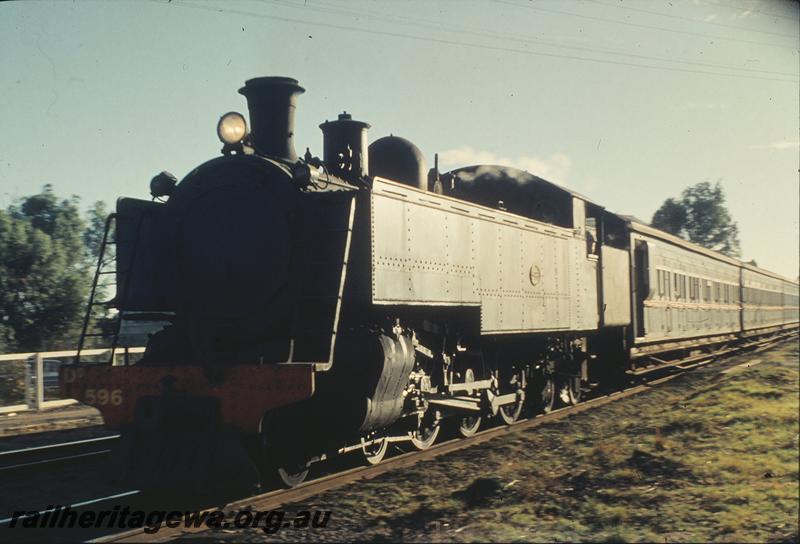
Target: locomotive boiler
column 297, row 308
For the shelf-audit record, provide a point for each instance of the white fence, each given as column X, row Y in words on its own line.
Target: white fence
column 35, row 375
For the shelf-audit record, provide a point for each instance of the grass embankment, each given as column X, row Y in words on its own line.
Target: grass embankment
column 707, row 457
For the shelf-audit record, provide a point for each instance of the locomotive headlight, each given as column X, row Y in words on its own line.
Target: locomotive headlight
column 232, row 128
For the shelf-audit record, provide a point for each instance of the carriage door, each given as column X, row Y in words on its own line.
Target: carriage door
column 641, row 283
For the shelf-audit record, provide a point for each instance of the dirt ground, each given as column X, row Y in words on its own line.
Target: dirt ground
column 25, row 429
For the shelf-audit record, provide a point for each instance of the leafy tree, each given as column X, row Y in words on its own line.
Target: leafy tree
column 100, row 319
column 671, row 217
column 700, row 216
column 45, row 272
column 96, row 217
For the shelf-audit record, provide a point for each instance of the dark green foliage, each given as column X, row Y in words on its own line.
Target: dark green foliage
column 96, row 217
column 670, row 217
column 700, row 216
column 44, row 272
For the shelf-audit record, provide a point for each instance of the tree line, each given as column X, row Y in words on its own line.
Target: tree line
column 700, row 216
column 49, row 250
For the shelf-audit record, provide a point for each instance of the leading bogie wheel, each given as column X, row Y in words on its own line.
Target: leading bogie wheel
column 292, row 475
column 283, row 468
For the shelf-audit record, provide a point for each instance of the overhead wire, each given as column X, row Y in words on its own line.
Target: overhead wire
column 619, row 5
column 637, row 25
column 753, row 10
column 204, row 7
column 327, row 8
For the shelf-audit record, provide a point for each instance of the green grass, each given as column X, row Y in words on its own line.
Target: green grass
column 706, row 457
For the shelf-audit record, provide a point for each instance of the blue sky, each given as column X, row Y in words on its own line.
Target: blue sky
column 627, row 102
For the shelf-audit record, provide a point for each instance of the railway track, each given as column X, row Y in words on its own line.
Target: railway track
column 278, row 498
column 30, row 458
column 56, row 454
column 42, row 468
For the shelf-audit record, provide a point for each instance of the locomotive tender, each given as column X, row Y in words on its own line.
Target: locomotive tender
column 301, row 307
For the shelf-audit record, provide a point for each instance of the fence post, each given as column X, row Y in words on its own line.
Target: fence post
column 27, row 383
column 39, row 390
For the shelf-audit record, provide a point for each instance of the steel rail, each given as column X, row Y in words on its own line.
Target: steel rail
column 275, row 499
column 74, row 506
column 53, row 453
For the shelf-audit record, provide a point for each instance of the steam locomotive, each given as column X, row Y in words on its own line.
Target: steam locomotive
column 299, row 308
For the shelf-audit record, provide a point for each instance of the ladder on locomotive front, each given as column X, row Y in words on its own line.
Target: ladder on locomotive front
column 104, row 328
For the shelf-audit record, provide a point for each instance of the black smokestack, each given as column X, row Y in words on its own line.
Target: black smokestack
column 271, row 101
